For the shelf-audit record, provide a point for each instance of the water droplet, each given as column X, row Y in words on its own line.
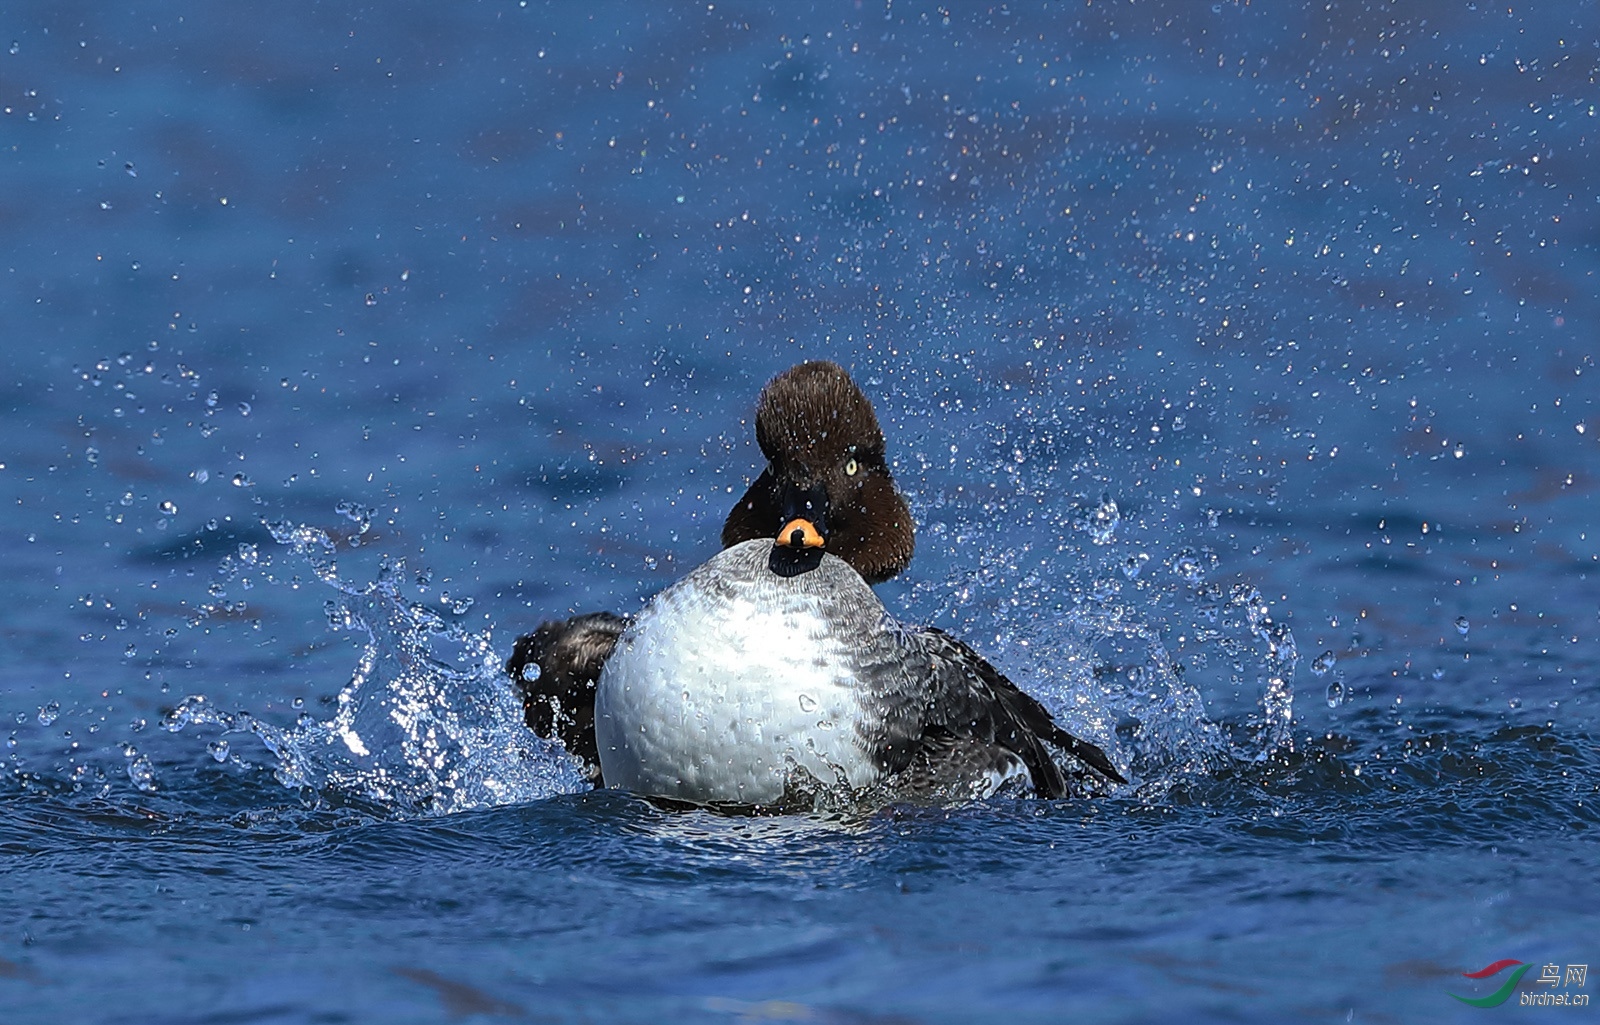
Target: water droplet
column 339, row 615
column 201, row 476
column 391, row 569
column 1335, row 694
column 244, row 409
column 140, row 771
column 168, row 507
column 249, row 554
column 92, row 454
column 1323, row 663
column 808, row 703
column 1514, row 703
column 530, row 672
column 241, row 481
column 130, row 651
column 218, row 749
column 1462, row 626
column 1188, row 566
column 355, row 512
column 1135, row 563
column 1103, row 521
column 49, row 713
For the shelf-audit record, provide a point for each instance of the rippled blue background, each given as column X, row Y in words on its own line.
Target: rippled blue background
column 1309, row 291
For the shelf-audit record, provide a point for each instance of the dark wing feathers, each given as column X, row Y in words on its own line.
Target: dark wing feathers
column 974, row 699
column 558, row 701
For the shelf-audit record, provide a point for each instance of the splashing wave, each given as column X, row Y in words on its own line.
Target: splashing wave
column 426, row 724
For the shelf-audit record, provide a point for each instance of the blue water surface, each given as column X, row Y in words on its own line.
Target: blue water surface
column 1238, row 361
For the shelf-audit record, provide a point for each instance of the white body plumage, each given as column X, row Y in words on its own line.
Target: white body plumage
column 735, row 676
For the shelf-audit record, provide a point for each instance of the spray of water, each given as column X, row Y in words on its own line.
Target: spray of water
column 426, row 724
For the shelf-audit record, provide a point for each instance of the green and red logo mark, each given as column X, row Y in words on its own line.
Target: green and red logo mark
column 1500, row 995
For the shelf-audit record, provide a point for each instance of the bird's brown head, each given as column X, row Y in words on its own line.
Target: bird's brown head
column 827, row 485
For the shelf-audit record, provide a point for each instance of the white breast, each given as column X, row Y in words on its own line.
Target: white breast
column 720, row 689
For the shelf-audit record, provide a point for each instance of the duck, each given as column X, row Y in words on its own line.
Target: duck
column 774, row 668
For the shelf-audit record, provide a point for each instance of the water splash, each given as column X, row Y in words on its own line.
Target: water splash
column 1116, row 614
column 427, row 723
column 1118, row 672
column 1131, row 661
column 1279, row 657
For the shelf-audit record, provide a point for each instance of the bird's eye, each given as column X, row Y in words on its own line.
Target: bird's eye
column 851, row 468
